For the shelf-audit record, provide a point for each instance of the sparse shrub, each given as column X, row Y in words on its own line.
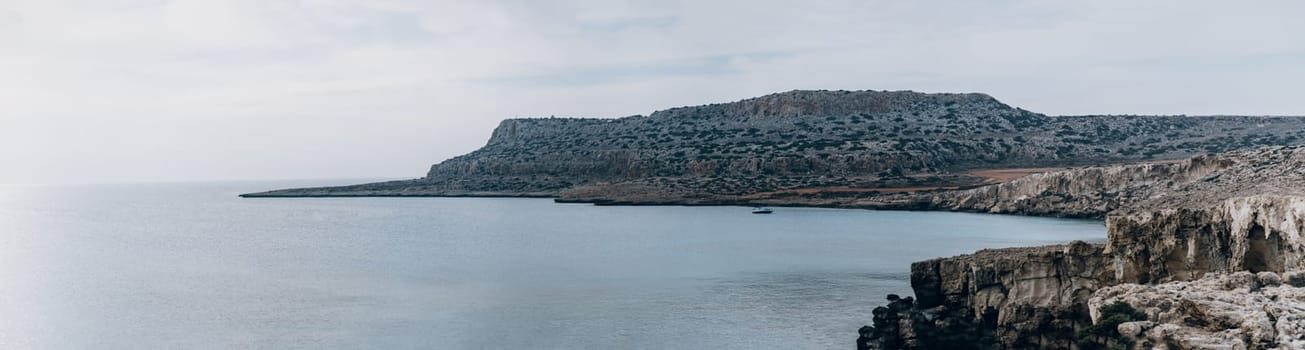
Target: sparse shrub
column 1105, row 333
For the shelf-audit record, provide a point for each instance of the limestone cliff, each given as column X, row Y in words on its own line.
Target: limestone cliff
column 1234, row 214
column 1078, row 193
column 1015, row 298
column 1256, row 233
column 1098, row 191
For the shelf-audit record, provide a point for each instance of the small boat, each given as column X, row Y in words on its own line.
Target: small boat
column 762, row 211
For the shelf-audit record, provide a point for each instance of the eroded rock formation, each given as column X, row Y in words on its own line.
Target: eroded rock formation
column 1256, row 233
column 1219, row 311
column 1201, row 245
column 1086, row 192
column 1016, row 298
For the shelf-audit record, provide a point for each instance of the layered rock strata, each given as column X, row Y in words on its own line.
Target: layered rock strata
column 1019, row 298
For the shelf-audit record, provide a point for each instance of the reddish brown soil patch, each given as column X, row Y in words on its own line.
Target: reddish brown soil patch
column 996, row 176
column 843, row 189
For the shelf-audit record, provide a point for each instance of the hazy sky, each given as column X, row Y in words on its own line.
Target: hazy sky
column 159, row 90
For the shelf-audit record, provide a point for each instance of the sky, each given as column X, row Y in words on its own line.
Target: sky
column 106, row 91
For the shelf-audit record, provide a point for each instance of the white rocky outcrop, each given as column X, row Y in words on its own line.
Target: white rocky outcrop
column 1252, row 233
column 1219, row 311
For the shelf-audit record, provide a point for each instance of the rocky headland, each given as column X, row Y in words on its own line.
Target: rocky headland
column 819, row 148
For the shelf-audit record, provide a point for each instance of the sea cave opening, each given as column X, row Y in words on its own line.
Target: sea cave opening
column 1264, row 251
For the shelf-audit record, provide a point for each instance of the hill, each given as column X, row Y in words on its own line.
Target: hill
column 835, row 143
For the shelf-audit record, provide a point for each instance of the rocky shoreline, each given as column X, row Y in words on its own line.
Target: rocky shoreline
column 1208, row 253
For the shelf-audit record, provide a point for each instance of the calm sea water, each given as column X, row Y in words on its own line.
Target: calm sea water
column 193, row 266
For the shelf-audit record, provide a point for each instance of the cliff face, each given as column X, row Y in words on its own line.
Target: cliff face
column 1259, row 233
column 1044, row 298
column 813, row 139
column 1017, row 298
column 1087, row 192
column 1199, row 227
column 1098, row 191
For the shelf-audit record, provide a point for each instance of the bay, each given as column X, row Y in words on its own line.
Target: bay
column 191, row 265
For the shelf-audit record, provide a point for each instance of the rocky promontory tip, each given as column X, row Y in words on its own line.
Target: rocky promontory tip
column 402, row 188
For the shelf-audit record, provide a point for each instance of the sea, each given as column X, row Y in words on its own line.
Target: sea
column 194, row 266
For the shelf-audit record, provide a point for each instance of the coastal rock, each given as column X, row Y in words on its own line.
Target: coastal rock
column 1015, row 298
column 1219, row 311
column 1259, row 233
column 1211, row 250
column 1086, row 192
column 1195, row 183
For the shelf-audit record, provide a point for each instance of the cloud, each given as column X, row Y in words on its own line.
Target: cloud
column 9, row 18
column 711, row 66
column 617, row 25
column 136, row 90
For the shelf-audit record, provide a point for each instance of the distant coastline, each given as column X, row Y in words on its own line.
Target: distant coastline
column 813, row 148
